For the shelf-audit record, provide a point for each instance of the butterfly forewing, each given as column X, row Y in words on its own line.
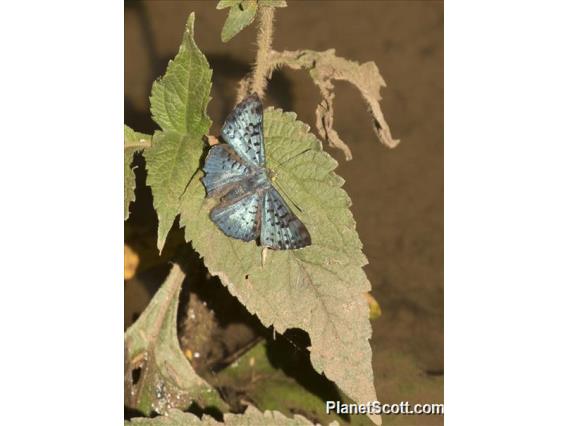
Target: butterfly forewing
column 223, row 167
column 243, row 130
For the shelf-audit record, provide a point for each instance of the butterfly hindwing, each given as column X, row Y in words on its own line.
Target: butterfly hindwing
column 281, row 229
column 239, row 218
column 243, row 130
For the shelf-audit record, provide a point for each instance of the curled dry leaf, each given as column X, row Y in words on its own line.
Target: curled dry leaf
column 158, row 377
column 324, row 67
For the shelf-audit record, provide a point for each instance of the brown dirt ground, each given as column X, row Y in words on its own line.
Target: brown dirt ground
column 397, row 194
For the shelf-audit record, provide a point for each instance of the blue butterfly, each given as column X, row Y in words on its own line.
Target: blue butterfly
column 250, row 207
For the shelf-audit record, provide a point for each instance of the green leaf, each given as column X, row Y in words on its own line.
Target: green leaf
column 179, row 99
column 241, row 15
column 254, row 377
column 171, row 162
column 166, row 378
column 251, row 417
column 133, row 142
column 178, row 104
column 320, row 288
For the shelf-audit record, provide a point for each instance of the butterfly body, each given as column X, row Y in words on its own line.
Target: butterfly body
column 250, row 207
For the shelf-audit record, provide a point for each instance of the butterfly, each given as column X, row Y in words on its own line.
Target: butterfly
column 250, row 207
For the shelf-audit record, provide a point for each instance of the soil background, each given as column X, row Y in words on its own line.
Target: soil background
column 397, row 194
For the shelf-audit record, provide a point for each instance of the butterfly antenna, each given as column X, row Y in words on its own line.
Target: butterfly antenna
column 292, row 157
column 281, row 189
column 188, row 183
column 279, row 164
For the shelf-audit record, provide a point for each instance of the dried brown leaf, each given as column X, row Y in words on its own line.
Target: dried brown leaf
column 324, row 67
column 166, row 379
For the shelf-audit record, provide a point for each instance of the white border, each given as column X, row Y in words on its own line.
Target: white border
column 506, row 212
column 61, row 308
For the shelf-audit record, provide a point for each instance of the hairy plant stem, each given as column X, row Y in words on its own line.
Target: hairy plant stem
column 141, row 144
column 263, row 66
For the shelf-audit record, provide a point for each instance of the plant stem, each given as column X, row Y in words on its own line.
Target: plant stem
column 141, row 144
column 264, row 42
